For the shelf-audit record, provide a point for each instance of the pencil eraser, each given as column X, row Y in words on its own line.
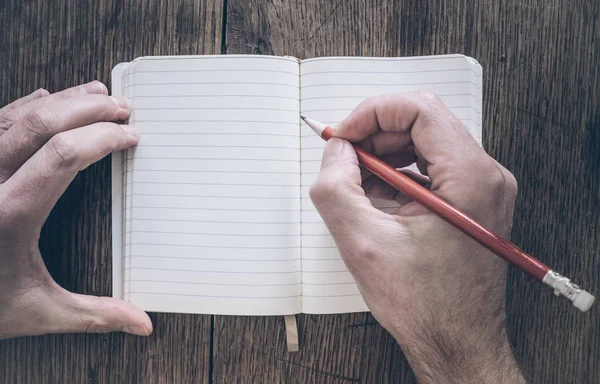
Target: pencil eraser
column 583, row 301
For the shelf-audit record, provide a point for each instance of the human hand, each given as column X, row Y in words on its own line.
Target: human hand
column 437, row 291
column 45, row 140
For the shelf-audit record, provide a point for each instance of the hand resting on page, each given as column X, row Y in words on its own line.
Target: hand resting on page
column 45, row 140
column 438, row 292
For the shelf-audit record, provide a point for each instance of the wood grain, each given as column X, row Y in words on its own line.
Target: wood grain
column 58, row 44
column 541, row 92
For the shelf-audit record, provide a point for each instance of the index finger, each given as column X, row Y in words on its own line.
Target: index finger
column 24, row 100
column 460, row 170
column 15, row 111
column 420, row 118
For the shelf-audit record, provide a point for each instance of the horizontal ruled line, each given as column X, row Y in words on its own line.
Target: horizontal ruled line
column 210, row 234
column 216, row 297
column 212, row 96
column 390, row 72
column 225, row 109
column 242, row 83
column 365, row 97
column 345, row 110
column 158, row 219
column 217, row 222
column 213, row 246
column 218, row 185
column 222, row 209
column 217, row 121
column 387, row 84
column 215, row 197
column 210, row 70
column 214, row 259
column 275, row 133
column 350, row 295
column 240, row 172
column 217, row 146
column 207, row 158
column 219, row 284
column 204, row 271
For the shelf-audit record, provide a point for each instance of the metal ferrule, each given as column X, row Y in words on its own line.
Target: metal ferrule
column 562, row 285
column 581, row 299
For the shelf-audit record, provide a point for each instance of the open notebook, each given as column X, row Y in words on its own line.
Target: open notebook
column 211, row 212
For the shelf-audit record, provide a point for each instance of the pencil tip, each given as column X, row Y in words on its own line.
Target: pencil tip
column 303, row 117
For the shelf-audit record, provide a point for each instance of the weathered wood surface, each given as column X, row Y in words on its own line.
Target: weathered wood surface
column 541, row 120
column 58, row 44
column 541, row 94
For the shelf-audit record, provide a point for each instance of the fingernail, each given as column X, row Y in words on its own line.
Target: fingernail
column 138, row 330
column 121, row 102
column 95, row 87
column 129, row 129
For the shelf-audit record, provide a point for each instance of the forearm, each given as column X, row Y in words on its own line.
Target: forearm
column 454, row 361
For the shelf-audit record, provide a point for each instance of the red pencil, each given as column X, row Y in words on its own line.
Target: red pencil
column 492, row 241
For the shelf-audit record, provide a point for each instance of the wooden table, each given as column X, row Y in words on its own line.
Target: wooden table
column 541, row 120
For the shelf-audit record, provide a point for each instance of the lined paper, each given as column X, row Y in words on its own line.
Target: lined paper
column 212, row 206
column 212, row 199
column 330, row 89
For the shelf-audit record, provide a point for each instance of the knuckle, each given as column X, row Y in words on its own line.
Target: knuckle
column 110, row 107
column 5, row 121
column 432, row 106
column 511, row 182
column 41, row 92
column 365, row 250
column 320, row 189
column 63, row 149
column 428, row 96
column 68, row 94
column 328, row 186
column 500, row 180
column 39, row 122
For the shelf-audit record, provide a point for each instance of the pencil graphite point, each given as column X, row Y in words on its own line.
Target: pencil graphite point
column 316, row 126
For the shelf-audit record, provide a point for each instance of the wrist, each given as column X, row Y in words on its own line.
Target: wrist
column 468, row 359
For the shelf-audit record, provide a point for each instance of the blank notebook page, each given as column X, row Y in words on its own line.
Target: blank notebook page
column 212, row 195
column 330, row 89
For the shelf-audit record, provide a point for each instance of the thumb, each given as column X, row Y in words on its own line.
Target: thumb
column 67, row 312
column 337, row 193
column 95, row 314
column 44, row 307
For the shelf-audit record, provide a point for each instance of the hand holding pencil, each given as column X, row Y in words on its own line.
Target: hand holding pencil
column 425, row 281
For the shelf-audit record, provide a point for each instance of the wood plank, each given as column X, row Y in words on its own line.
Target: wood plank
column 61, row 44
column 253, row 349
column 541, row 87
